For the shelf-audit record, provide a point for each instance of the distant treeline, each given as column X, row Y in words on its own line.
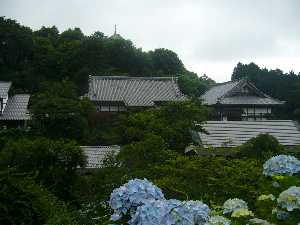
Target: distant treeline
column 28, row 58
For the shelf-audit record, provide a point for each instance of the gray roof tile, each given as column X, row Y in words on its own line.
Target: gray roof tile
column 226, row 94
column 212, row 96
column 16, row 108
column 4, row 88
column 134, row 91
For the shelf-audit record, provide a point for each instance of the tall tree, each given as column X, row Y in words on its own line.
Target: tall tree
column 59, row 113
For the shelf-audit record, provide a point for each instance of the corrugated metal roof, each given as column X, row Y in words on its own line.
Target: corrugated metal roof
column 235, row 133
column 227, row 94
column 4, row 88
column 96, row 154
column 16, row 108
column 134, row 91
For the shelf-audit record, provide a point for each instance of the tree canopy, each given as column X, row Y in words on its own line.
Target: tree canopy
column 28, row 58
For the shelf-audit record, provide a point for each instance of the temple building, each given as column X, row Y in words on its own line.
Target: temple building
column 14, row 109
column 242, row 112
column 121, row 93
column 240, row 100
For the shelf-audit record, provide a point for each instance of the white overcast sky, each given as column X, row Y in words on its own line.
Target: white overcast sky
column 210, row 36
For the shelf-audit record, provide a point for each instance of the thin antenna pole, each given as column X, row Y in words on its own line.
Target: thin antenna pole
column 115, row 29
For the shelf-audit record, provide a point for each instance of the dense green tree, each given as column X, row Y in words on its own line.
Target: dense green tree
column 166, row 62
column 72, row 35
column 192, row 85
column 53, row 163
column 59, row 113
column 22, row 201
column 148, row 152
column 16, row 44
column 172, row 122
column 51, row 33
column 262, row 147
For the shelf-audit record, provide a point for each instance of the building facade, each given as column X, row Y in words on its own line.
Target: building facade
column 121, row 93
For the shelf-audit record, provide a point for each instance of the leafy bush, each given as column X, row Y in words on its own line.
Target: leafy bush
column 213, row 179
column 24, row 202
column 53, row 163
column 148, row 152
column 141, row 207
column 261, row 147
column 172, row 122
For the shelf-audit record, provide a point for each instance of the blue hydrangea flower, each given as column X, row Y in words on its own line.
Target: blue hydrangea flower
column 280, row 214
column 234, row 204
column 171, row 212
column 128, row 197
column 218, row 220
column 290, row 199
column 281, row 165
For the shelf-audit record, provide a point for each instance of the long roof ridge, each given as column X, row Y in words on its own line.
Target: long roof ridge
column 132, row 77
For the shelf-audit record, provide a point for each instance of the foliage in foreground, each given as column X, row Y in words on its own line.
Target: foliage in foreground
column 52, row 163
column 22, row 201
column 139, row 202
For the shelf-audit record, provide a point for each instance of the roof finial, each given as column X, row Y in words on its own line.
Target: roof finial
column 115, row 29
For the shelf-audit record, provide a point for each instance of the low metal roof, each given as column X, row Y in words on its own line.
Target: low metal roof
column 235, row 133
column 96, row 154
column 4, row 88
column 134, row 91
column 16, row 108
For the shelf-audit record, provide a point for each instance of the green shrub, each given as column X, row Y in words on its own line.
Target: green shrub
column 212, row 179
column 261, row 147
column 152, row 150
column 24, row 202
column 54, row 163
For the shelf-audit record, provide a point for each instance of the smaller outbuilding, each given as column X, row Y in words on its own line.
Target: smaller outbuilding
column 97, row 154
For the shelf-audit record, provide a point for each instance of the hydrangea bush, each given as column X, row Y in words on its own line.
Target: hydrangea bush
column 290, row 199
column 218, row 220
column 171, row 212
column 139, row 202
column 131, row 195
column 232, row 205
column 281, row 165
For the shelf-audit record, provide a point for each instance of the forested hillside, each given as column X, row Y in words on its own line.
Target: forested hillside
column 43, row 174
column 28, row 58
